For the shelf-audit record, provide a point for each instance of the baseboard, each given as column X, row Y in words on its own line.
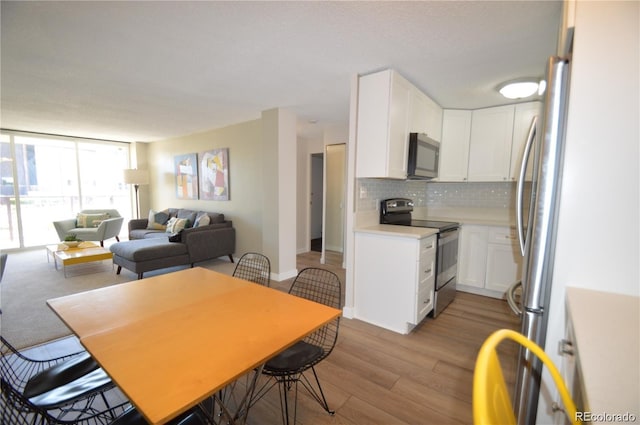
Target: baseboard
column 279, row 277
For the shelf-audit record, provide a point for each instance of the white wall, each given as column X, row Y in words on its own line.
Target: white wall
column 598, row 240
column 279, row 190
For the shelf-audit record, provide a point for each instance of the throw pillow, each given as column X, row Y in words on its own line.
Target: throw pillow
column 188, row 215
column 157, row 220
column 203, row 220
column 90, row 220
column 175, row 225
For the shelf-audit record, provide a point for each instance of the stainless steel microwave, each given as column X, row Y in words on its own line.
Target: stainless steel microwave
column 424, row 156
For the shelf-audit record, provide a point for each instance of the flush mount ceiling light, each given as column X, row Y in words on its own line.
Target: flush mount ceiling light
column 518, row 89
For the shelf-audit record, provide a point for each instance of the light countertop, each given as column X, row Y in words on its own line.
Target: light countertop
column 607, row 333
column 401, row 231
column 478, row 216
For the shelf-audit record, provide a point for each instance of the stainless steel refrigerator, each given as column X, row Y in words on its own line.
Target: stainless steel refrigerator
column 537, row 228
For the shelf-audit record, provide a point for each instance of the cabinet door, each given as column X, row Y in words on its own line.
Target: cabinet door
column 418, row 123
column 398, row 144
column 425, row 115
column 490, row 145
column 454, row 149
column 503, row 268
column 472, row 255
column 374, row 95
column 504, row 262
column 434, row 119
column 524, row 114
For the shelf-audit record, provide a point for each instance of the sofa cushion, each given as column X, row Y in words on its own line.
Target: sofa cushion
column 157, row 220
column 147, row 233
column 175, row 225
column 188, row 215
column 202, row 220
column 147, row 249
column 84, row 220
column 216, row 218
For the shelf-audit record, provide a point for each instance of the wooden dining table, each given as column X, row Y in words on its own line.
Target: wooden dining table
column 172, row 341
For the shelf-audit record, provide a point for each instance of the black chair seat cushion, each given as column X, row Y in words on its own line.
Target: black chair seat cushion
column 133, row 417
column 60, row 374
column 78, row 388
column 294, row 358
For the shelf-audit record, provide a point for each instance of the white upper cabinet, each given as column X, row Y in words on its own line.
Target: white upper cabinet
column 524, row 113
column 426, row 115
column 490, row 145
column 454, row 148
column 383, row 117
column 389, row 108
column 487, row 144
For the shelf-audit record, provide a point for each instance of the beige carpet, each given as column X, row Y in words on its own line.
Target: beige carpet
column 29, row 281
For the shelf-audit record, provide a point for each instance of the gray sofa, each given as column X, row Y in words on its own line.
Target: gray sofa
column 149, row 248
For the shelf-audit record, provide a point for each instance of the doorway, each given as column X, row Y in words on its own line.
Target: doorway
column 317, row 188
column 327, row 200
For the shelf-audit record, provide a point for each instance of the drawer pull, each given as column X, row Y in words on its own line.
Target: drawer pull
column 427, row 271
column 427, row 301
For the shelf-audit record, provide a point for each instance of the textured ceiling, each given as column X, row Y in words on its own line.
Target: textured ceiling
column 151, row 70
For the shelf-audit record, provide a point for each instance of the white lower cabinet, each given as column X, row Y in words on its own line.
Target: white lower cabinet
column 489, row 261
column 394, row 280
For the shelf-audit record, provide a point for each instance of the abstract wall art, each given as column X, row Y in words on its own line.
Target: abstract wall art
column 214, row 174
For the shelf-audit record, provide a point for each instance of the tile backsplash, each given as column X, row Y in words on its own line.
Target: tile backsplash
column 441, row 195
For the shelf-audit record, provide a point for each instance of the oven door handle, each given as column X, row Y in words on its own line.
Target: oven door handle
column 446, row 236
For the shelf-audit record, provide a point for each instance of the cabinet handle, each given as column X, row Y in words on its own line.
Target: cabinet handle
column 427, row 301
column 565, row 347
column 427, row 271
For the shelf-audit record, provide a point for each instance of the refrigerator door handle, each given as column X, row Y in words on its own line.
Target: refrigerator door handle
column 523, row 170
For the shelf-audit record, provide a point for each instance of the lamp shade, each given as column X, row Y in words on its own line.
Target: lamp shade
column 135, row 176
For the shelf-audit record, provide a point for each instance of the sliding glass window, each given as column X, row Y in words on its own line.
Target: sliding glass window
column 46, row 178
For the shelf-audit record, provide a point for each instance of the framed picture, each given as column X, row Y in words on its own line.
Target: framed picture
column 186, row 171
column 214, row 174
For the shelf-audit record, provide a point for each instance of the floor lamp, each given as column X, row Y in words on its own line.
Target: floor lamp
column 136, row 178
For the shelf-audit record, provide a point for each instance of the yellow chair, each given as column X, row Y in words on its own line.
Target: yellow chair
column 491, row 401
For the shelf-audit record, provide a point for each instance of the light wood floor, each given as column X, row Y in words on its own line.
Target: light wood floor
column 375, row 376
column 378, row 377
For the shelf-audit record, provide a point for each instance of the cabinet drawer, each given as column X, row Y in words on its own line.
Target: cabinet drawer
column 503, row 235
column 428, row 246
column 426, row 271
column 424, row 303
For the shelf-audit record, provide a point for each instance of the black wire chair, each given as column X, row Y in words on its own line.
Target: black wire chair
column 71, row 389
column 254, row 267
column 288, row 367
column 192, row 417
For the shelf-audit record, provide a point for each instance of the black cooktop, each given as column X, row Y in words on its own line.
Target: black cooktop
column 440, row 225
column 398, row 211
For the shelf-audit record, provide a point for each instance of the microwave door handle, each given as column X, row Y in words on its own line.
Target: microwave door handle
column 523, row 170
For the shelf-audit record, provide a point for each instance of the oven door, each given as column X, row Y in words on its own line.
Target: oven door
column 447, row 257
